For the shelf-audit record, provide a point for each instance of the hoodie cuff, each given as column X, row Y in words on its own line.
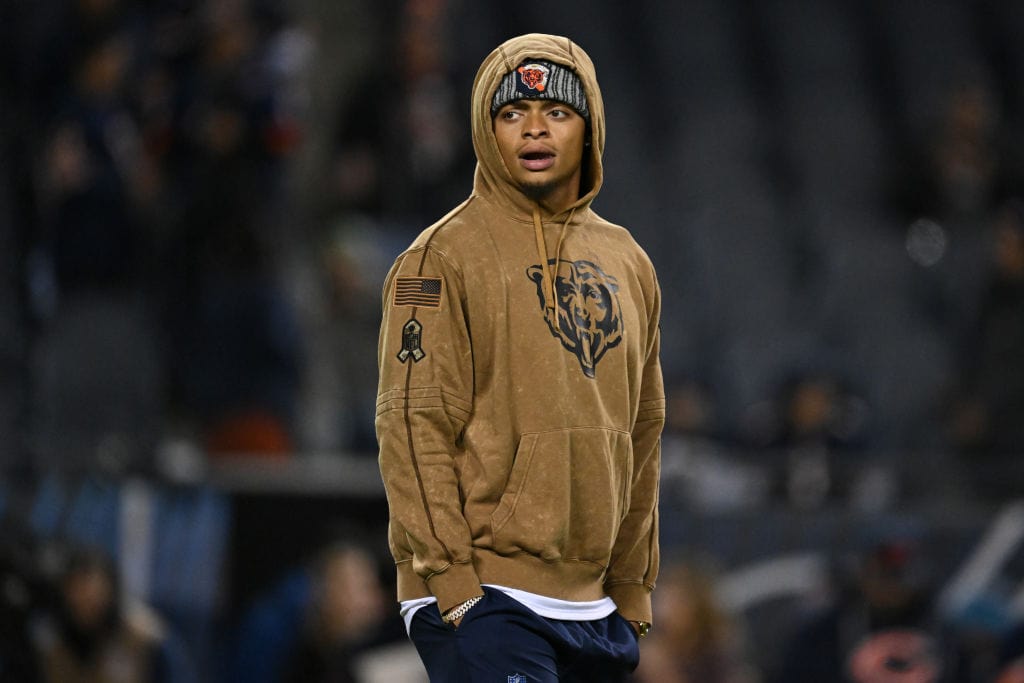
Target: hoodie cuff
column 455, row 585
column 633, row 601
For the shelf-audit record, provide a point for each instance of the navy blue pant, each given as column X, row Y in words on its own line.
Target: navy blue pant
column 502, row 641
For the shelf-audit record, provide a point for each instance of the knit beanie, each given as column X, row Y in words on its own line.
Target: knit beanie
column 541, row 80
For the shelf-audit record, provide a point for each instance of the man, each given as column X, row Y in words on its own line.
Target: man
column 521, row 401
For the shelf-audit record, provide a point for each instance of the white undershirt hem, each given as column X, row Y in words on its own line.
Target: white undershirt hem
column 550, row 608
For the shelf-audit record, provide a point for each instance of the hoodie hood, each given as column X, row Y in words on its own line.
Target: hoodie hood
column 493, row 179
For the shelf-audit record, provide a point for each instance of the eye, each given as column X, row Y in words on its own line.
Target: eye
column 559, row 113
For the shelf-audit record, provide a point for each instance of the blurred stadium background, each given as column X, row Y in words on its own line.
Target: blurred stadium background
column 199, row 201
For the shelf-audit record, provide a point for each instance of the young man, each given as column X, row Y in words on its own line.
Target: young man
column 521, row 401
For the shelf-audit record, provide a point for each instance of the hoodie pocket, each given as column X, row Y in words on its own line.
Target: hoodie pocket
column 566, row 496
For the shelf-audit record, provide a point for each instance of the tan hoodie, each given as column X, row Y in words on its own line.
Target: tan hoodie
column 520, row 407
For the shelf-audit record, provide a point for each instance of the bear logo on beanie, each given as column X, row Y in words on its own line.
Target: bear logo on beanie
column 534, row 76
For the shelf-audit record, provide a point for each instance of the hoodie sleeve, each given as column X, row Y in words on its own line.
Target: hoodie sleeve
column 423, row 402
column 635, row 556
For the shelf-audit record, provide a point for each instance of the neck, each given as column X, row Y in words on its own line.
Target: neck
column 553, row 200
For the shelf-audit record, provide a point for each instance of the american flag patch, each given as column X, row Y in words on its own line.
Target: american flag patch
column 418, row 291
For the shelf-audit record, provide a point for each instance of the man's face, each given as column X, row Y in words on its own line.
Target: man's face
column 541, row 143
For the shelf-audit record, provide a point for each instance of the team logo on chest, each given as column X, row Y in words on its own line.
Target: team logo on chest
column 586, row 318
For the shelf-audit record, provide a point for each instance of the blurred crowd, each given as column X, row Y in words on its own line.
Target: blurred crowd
column 150, row 141
column 872, row 619
column 202, row 199
column 199, row 200
column 209, row 193
column 873, row 616
column 72, row 623
column 67, row 615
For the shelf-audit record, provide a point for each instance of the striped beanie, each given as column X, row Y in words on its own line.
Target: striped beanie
column 541, row 80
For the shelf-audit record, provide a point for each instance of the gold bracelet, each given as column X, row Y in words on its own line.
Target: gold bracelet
column 456, row 613
column 642, row 628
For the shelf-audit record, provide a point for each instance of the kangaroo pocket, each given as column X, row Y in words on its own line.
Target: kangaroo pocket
column 566, row 496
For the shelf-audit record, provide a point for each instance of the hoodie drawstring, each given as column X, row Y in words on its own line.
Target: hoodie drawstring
column 550, row 298
column 542, row 252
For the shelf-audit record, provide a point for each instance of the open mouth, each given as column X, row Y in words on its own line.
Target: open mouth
column 537, row 161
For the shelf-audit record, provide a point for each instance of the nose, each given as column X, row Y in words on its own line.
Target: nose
column 535, row 125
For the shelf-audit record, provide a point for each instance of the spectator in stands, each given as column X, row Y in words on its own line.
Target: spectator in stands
column 238, row 346
column 344, row 614
column 93, row 636
column 235, row 342
column 812, row 418
column 341, row 385
column 698, row 465
column 879, row 626
column 319, row 623
column 814, row 409
column 691, row 410
column 91, row 165
column 988, row 413
column 697, row 641
column 94, row 372
column 964, row 166
column 398, row 152
column 950, row 189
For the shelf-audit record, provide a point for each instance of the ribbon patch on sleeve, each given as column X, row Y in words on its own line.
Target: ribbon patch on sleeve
column 412, row 342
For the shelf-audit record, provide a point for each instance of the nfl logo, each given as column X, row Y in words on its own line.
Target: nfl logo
column 517, row 678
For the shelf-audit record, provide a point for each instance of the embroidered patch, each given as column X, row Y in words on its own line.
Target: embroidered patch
column 517, row 678
column 418, row 291
column 533, row 77
column 412, row 342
